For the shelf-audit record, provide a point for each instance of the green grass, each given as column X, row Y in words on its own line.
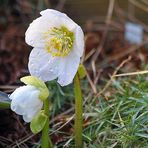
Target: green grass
column 122, row 121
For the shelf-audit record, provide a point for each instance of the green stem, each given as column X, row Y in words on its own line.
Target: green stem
column 78, row 113
column 46, row 141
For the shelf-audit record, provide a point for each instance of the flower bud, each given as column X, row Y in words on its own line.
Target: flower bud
column 26, row 102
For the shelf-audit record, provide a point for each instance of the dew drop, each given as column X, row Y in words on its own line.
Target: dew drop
column 51, row 70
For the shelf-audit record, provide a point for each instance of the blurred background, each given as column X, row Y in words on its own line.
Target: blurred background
column 103, row 21
column 116, row 33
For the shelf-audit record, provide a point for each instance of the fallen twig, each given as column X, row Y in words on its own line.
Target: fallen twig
column 113, row 75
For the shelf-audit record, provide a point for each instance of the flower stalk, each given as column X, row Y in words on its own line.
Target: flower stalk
column 46, row 141
column 78, row 113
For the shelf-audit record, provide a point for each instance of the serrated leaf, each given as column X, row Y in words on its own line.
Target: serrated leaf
column 81, row 71
column 38, row 122
column 32, row 80
column 4, row 101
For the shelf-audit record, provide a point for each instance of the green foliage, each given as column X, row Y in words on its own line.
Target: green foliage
column 122, row 121
column 38, row 122
column 81, row 71
column 4, row 101
column 61, row 98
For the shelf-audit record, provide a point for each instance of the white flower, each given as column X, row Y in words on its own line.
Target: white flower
column 58, row 45
column 26, row 102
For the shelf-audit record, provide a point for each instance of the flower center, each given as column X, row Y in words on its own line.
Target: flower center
column 59, row 41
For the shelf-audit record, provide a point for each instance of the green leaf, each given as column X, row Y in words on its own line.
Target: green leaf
column 38, row 122
column 4, row 101
column 81, row 71
column 142, row 135
column 32, row 80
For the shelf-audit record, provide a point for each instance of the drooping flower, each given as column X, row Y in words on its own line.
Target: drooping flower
column 26, row 102
column 58, row 45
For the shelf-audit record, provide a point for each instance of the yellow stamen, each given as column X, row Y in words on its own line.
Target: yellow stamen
column 59, row 41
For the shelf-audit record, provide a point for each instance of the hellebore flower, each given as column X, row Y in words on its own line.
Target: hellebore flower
column 58, row 45
column 26, row 102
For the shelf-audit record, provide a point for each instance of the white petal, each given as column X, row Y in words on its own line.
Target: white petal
column 50, row 12
column 31, row 112
column 27, row 118
column 34, row 35
column 49, row 19
column 72, row 26
column 59, row 19
column 43, row 65
column 18, row 97
column 26, row 102
column 79, row 41
column 69, row 69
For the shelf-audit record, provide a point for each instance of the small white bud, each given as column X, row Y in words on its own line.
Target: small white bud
column 26, row 102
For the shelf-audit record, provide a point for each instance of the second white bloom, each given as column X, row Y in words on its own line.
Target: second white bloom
column 26, row 102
